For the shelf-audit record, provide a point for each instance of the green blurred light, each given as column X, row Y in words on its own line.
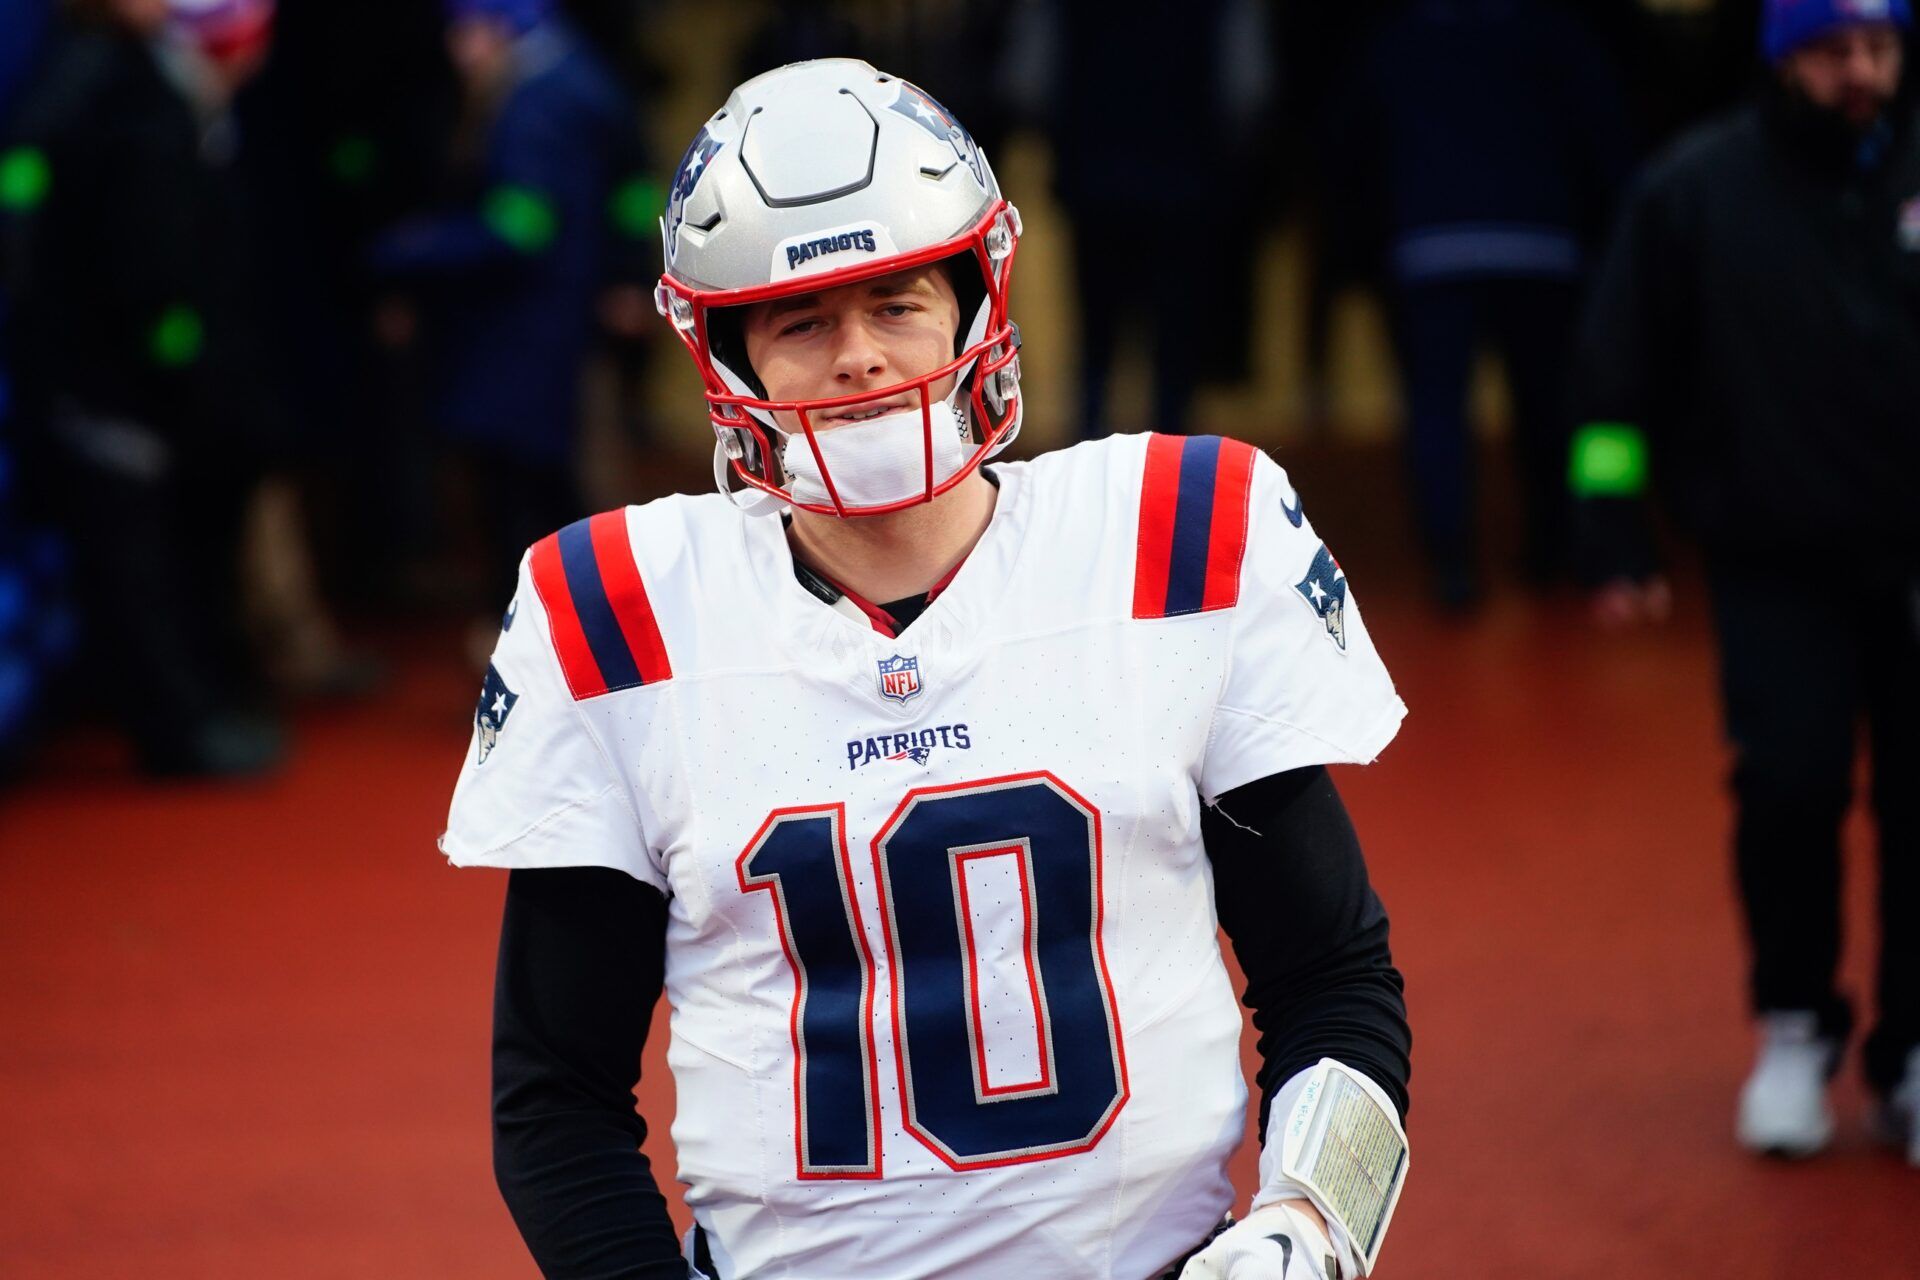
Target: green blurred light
column 635, row 206
column 25, row 177
column 522, row 217
column 1609, row 460
column 178, row 337
column 353, row 159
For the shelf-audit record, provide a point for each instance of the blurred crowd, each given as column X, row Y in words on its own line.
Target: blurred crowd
column 296, row 297
column 271, row 272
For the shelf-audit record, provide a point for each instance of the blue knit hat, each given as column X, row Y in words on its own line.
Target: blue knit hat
column 1791, row 23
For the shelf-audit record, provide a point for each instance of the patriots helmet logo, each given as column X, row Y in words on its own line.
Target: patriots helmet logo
column 1325, row 591
column 694, row 163
column 917, row 105
column 899, row 678
column 490, row 717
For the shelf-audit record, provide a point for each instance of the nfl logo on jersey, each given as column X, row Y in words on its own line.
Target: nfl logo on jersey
column 899, row 678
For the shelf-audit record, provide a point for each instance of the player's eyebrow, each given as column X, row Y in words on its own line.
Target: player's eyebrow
column 781, row 306
column 886, row 287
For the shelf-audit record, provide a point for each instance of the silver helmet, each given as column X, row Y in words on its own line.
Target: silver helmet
column 821, row 174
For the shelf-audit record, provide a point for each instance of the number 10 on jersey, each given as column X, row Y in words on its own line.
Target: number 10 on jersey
column 1014, row 861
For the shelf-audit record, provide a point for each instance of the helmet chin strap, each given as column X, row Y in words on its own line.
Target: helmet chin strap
column 751, row 501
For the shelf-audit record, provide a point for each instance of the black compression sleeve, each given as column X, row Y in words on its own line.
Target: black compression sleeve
column 1291, row 891
column 582, row 955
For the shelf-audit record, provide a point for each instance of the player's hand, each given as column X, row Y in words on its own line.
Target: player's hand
column 1273, row 1243
column 1626, row 602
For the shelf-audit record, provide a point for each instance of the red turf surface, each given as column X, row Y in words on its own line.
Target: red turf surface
column 243, row 1029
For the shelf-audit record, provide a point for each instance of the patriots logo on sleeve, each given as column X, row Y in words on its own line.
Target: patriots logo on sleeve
column 490, row 717
column 1325, row 591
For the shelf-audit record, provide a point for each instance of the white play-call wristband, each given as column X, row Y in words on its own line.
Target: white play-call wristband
column 1341, row 1145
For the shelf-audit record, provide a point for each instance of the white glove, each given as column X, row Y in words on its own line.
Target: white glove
column 1271, row 1243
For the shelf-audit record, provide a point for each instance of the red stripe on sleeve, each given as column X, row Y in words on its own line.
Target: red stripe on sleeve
column 569, row 641
column 1227, row 534
column 1159, row 495
column 620, row 575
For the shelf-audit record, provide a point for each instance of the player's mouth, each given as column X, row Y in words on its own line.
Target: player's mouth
column 864, row 412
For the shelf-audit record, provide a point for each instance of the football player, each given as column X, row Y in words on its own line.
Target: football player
column 922, row 786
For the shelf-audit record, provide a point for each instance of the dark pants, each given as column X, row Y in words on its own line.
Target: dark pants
column 1438, row 329
column 1807, row 645
column 155, row 531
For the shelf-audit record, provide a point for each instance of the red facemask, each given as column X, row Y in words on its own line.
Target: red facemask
column 989, row 369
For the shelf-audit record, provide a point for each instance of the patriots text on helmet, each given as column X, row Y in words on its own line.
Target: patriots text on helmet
column 810, row 249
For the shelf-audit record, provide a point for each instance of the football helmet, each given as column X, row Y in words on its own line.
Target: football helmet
column 821, row 174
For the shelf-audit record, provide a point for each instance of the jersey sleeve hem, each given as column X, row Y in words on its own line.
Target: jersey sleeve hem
column 1271, row 746
column 573, row 835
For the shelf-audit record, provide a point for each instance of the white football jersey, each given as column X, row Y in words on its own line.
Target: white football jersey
column 941, row 950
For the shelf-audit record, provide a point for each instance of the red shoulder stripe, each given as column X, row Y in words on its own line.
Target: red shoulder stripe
column 627, row 594
column 1159, row 497
column 1227, row 539
column 569, row 638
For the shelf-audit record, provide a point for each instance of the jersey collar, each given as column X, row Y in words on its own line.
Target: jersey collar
column 961, row 603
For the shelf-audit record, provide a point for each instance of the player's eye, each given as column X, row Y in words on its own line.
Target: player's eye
column 799, row 327
column 898, row 309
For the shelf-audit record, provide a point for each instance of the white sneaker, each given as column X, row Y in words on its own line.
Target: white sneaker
column 1898, row 1121
column 1783, row 1107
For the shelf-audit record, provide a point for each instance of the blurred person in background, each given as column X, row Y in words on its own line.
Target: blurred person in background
column 507, row 274
column 1478, row 152
column 146, row 420
column 35, row 627
column 1753, row 343
column 340, row 131
column 1132, row 166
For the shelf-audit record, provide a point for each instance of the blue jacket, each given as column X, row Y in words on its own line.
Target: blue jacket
column 23, row 29
column 510, row 279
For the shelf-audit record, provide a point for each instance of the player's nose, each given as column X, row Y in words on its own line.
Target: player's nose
column 858, row 355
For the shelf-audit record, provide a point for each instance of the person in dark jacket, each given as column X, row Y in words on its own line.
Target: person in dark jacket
column 1132, row 167
column 1483, row 146
column 507, row 274
column 1753, row 346
column 141, row 385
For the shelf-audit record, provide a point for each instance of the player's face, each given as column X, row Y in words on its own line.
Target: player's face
column 1853, row 72
column 854, row 338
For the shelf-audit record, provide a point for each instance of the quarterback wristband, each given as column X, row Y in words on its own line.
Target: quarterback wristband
column 1334, row 1138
